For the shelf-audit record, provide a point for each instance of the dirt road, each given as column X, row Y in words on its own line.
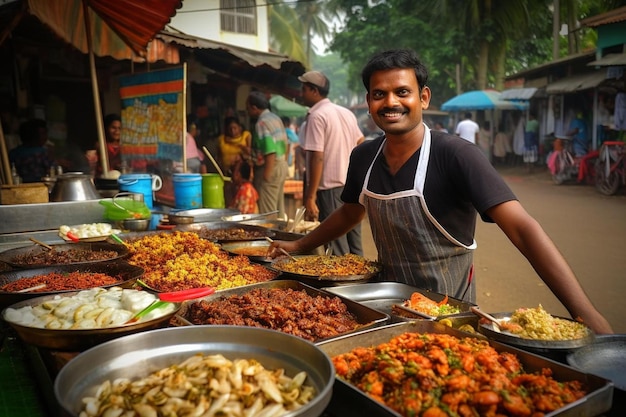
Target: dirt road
column 587, row 227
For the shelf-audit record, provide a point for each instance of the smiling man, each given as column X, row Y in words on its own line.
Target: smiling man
column 421, row 190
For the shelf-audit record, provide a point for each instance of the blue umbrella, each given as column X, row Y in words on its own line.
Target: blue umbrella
column 480, row 100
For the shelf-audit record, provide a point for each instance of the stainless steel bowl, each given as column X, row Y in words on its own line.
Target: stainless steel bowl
column 135, row 225
column 74, row 186
column 138, row 355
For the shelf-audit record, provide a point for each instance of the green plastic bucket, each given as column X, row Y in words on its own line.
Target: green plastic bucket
column 212, row 191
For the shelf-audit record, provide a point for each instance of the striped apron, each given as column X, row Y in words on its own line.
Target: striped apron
column 412, row 246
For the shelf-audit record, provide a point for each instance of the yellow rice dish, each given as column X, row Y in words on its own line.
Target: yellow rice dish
column 536, row 323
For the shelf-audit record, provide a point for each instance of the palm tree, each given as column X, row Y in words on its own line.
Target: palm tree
column 292, row 28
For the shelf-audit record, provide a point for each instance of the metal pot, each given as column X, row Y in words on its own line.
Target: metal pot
column 74, row 186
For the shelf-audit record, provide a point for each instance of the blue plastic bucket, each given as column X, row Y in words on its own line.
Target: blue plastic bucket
column 145, row 184
column 187, row 191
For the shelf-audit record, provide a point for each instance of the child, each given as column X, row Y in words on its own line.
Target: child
column 246, row 196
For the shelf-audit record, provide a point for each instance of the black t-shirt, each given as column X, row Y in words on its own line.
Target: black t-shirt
column 459, row 181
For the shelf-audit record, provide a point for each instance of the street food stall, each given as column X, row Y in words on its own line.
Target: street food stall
column 303, row 313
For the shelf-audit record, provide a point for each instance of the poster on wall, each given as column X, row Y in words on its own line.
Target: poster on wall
column 153, row 125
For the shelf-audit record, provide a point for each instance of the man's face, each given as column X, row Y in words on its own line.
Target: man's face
column 395, row 101
column 115, row 131
column 252, row 110
column 308, row 94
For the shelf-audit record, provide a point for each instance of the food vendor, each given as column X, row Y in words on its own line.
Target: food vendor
column 421, row 190
column 113, row 136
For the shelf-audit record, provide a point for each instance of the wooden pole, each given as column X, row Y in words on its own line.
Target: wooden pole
column 6, row 166
column 104, row 160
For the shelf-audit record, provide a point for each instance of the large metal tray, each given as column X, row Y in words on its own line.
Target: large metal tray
column 206, row 214
column 76, row 340
column 383, row 296
column 8, row 256
column 364, row 315
column 204, row 230
column 605, row 357
column 127, row 273
column 492, row 332
column 355, row 403
column 322, row 281
column 138, row 355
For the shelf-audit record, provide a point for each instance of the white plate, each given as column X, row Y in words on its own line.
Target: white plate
column 89, row 232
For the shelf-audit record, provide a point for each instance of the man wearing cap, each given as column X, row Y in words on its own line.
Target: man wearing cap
column 269, row 148
column 331, row 133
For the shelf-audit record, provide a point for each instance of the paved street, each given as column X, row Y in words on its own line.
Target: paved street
column 588, row 228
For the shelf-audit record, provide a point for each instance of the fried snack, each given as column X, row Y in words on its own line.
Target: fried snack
column 437, row 374
column 182, row 260
column 538, row 324
column 324, row 266
column 422, row 304
column 203, row 386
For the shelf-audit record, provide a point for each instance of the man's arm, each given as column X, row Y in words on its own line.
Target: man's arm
column 533, row 242
column 340, row 222
column 315, row 166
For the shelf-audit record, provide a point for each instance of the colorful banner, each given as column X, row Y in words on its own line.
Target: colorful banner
column 153, row 113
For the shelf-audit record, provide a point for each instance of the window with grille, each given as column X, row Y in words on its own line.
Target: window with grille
column 238, row 16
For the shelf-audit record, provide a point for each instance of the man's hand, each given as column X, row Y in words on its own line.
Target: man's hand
column 312, row 211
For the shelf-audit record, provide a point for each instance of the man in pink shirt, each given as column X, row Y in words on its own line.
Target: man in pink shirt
column 331, row 133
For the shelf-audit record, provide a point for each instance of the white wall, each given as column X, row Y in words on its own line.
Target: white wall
column 201, row 18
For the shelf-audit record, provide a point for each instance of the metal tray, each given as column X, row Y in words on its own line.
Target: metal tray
column 251, row 232
column 355, row 403
column 128, row 274
column 8, row 256
column 365, row 316
column 234, row 248
column 138, row 355
column 322, row 281
column 538, row 346
column 383, row 296
column 75, row 340
column 605, row 357
column 206, row 214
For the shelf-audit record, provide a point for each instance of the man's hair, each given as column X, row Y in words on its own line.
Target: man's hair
column 259, row 100
column 110, row 118
column 468, row 115
column 395, row 59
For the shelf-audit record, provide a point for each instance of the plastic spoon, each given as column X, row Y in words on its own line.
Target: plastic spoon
column 172, row 297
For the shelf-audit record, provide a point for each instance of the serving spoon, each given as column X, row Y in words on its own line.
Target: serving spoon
column 487, row 316
column 172, row 297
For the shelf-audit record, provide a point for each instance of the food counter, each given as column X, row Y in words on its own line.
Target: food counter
column 29, row 372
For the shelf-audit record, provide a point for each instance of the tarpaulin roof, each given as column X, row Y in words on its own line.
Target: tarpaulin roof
column 480, row 100
column 521, row 94
column 576, row 83
column 609, row 60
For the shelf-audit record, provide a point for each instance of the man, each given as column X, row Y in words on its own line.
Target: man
column 269, row 149
column 468, row 129
column 578, row 131
column 421, row 189
column 331, row 133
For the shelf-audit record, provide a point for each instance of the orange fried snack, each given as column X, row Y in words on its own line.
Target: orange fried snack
column 439, row 375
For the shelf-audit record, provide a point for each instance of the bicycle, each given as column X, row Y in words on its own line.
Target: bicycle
column 611, row 168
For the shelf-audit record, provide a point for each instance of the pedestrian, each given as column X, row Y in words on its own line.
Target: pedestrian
column 233, row 144
column 468, row 129
column 193, row 154
column 292, row 142
column 332, row 132
column 246, row 196
column 578, row 131
column 269, row 148
column 531, row 141
column 32, row 159
column 484, row 138
column 439, row 127
column 421, row 190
